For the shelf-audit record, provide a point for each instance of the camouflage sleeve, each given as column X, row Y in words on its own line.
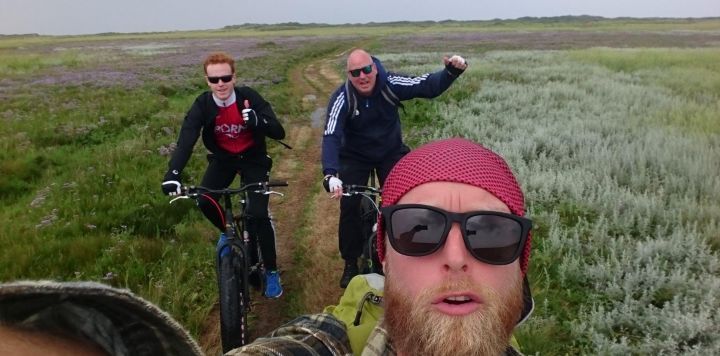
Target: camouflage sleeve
column 317, row 334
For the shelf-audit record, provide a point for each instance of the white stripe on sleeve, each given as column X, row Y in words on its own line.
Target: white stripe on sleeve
column 407, row 81
column 334, row 113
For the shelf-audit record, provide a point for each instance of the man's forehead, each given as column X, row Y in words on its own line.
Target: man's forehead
column 358, row 59
column 219, row 68
column 453, row 196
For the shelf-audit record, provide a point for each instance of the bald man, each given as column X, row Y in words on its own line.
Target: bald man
column 363, row 135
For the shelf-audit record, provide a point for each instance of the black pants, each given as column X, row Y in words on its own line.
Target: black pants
column 350, row 226
column 220, row 174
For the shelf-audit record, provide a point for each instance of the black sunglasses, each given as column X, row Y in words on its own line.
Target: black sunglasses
column 490, row 236
column 356, row 72
column 224, row 78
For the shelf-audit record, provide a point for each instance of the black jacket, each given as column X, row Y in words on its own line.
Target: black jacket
column 201, row 119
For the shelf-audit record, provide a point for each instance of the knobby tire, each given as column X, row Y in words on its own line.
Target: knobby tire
column 370, row 263
column 233, row 313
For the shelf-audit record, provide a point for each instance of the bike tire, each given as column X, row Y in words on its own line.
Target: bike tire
column 370, row 261
column 233, row 311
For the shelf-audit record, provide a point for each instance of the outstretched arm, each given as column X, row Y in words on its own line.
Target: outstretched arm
column 428, row 85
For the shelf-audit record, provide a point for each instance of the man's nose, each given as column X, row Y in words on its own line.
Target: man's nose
column 454, row 253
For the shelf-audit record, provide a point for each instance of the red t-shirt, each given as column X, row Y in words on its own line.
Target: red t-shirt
column 231, row 133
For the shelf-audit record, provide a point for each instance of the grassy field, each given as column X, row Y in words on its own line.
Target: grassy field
column 611, row 127
column 620, row 159
column 82, row 156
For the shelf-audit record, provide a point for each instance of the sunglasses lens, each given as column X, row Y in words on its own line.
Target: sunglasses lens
column 493, row 238
column 366, row 69
column 224, row 78
column 416, row 231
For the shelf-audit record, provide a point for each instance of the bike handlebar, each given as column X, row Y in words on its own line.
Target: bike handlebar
column 355, row 189
column 187, row 192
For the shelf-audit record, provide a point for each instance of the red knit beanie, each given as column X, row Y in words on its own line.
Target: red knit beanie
column 454, row 160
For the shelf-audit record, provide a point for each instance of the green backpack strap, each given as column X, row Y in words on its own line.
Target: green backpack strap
column 360, row 307
column 514, row 343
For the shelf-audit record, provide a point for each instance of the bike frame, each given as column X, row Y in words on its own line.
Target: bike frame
column 237, row 244
column 370, row 260
column 238, row 241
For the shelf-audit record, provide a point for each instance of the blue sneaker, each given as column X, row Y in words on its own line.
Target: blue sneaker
column 273, row 289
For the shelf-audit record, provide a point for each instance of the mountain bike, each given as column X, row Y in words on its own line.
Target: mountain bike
column 239, row 263
column 371, row 199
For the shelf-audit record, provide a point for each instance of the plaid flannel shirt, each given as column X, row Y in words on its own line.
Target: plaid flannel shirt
column 316, row 334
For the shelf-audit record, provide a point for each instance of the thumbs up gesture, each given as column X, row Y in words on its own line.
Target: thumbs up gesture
column 249, row 116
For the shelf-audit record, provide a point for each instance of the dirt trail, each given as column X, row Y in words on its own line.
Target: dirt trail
column 305, row 207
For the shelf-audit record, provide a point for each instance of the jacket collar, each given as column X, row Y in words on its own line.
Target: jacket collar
column 226, row 103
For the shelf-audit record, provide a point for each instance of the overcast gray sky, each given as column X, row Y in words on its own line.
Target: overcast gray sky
column 70, row 17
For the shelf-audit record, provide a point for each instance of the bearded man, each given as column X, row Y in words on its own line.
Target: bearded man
column 455, row 247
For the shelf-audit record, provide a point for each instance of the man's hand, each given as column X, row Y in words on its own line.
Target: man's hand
column 455, row 64
column 249, row 116
column 333, row 185
column 171, row 183
column 171, row 187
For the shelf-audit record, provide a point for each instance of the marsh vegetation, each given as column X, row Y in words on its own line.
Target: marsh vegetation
column 611, row 127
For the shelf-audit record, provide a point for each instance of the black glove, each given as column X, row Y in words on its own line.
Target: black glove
column 171, row 184
column 454, row 70
column 250, row 117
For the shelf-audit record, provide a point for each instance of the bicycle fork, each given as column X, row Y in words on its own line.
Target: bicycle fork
column 225, row 247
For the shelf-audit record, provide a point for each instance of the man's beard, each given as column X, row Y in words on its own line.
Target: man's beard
column 416, row 329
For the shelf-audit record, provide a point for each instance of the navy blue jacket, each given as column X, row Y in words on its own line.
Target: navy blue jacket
column 373, row 134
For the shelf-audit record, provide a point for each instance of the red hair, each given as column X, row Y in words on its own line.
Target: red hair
column 219, row 58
